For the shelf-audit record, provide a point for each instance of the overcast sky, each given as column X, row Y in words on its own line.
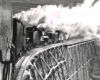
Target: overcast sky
column 19, row 5
column 47, row 1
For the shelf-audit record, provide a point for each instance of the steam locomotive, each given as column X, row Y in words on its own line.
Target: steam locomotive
column 27, row 37
column 16, row 39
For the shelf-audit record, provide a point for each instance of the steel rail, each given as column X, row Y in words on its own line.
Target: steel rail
column 35, row 54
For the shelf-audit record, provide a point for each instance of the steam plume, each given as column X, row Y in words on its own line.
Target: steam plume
column 83, row 19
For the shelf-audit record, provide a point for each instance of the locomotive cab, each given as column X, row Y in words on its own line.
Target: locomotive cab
column 19, row 36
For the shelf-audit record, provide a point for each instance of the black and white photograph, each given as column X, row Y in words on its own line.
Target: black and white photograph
column 49, row 40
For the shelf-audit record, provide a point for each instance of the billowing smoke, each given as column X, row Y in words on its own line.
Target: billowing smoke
column 82, row 19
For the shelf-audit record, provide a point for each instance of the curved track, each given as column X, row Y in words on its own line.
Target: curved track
column 61, row 61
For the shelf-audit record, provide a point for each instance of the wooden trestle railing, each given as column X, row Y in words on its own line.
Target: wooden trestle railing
column 70, row 60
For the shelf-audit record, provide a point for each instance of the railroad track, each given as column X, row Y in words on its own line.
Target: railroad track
column 52, row 62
